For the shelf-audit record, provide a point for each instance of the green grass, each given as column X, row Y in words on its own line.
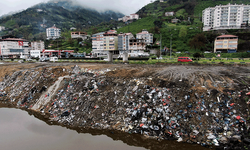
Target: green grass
column 136, row 27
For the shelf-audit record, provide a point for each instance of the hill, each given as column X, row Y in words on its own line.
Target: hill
column 182, row 35
column 64, row 14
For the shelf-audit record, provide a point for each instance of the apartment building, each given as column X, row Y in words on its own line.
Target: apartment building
column 37, row 45
column 148, row 37
column 123, row 41
column 14, row 47
column 110, row 41
column 231, row 16
column 53, row 32
column 137, row 45
column 2, row 28
column 226, row 42
column 97, row 44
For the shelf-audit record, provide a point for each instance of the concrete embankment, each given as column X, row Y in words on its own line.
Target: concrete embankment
column 206, row 105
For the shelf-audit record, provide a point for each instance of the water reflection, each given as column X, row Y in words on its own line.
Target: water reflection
column 24, row 132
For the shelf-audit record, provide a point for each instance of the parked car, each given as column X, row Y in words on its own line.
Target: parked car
column 43, row 59
column 184, row 59
column 53, row 59
column 177, row 52
column 218, row 52
column 207, row 52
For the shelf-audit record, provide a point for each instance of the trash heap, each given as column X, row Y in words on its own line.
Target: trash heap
column 208, row 114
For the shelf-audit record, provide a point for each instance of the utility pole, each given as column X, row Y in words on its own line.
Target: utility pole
column 170, row 45
column 160, row 45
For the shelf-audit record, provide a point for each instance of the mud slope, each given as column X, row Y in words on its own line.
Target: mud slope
column 207, row 105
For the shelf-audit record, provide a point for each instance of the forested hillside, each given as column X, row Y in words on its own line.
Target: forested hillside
column 33, row 21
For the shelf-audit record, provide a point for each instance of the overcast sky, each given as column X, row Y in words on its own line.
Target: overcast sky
column 124, row 6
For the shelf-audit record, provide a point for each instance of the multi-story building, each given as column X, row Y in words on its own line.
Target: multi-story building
column 123, row 41
column 82, row 35
column 130, row 17
column 226, row 42
column 37, row 45
column 137, row 45
column 148, row 37
column 110, row 41
column 225, row 17
column 2, row 28
column 97, row 44
column 53, row 32
column 14, row 47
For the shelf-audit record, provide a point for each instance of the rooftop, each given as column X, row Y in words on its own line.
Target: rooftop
column 223, row 36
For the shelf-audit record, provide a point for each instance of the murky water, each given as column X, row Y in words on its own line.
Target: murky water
column 19, row 130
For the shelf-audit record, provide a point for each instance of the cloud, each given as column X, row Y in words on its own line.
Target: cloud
column 127, row 7
column 124, row 6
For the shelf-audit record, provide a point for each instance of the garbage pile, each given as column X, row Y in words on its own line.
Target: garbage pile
column 215, row 113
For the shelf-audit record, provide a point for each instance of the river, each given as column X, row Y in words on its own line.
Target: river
column 22, row 131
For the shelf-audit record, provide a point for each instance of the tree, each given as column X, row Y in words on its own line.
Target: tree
column 183, row 32
column 198, row 41
column 158, row 23
column 197, row 55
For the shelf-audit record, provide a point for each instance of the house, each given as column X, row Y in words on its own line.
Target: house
column 134, row 16
column 43, row 25
column 224, row 43
column 146, row 36
column 128, row 18
column 174, row 20
column 53, row 33
column 82, row 35
column 171, row 13
column 14, row 47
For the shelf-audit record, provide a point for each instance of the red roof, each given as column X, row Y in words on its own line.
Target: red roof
column 222, row 36
column 13, row 39
column 54, row 27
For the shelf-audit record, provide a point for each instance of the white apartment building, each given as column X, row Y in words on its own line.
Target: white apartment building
column 2, row 28
column 14, row 47
column 97, row 44
column 145, row 35
column 231, row 16
column 37, row 45
column 53, row 32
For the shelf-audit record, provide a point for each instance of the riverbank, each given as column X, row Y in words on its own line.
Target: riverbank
column 206, row 105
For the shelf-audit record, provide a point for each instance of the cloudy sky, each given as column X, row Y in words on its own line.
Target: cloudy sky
column 124, row 6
